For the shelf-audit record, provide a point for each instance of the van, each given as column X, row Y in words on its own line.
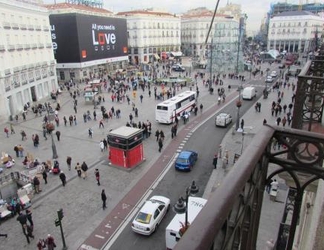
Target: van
column 248, row 93
column 172, row 231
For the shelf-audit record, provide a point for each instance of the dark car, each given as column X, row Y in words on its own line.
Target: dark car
column 186, row 160
column 178, row 68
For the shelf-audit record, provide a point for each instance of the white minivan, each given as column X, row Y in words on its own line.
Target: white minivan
column 173, row 230
column 248, row 93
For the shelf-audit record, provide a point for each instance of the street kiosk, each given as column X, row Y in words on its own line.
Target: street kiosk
column 126, row 147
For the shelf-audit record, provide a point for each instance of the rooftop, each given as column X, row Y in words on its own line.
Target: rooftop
column 75, row 7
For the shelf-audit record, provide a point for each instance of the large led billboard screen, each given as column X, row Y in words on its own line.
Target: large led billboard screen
column 80, row 38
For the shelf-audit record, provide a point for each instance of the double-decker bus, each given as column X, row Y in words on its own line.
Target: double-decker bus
column 166, row 111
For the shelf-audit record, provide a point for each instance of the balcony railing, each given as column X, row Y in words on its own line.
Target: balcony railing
column 230, row 219
column 23, row 26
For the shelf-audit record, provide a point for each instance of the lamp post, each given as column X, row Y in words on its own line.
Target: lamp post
column 182, row 204
column 50, row 129
column 239, row 102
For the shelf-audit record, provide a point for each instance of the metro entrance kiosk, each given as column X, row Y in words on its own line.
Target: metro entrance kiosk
column 126, row 147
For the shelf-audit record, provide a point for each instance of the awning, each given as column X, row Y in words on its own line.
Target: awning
column 156, row 56
column 177, row 54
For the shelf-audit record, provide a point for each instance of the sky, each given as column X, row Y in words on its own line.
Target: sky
column 255, row 9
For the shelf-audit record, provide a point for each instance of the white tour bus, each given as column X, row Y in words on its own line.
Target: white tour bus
column 172, row 232
column 165, row 111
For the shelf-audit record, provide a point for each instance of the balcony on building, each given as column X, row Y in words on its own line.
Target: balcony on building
column 231, row 217
column 38, row 27
column 48, row 45
column 34, row 46
column 15, row 26
column 23, row 26
column 19, row 46
column 40, row 45
column 11, row 47
column 27, row 46
column 30, row 27
column 16, row 69
column 6, row 25
column 45, row 28
column 2, row 48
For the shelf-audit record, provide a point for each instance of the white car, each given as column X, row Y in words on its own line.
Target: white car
column 274, row 74
column 151, row 214
column 223, row 119
column 269, row 79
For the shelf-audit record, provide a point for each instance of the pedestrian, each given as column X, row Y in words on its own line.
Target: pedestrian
column 12, row 130
column 215, row 161
column 94, row 115
column 97, row 174
column 69, row 162
column 201, row 107
column 141, row 98
column 101, row 124
column 104, row 199
column 29, row 217
column 23, row 135
column 157, row 134
column 41, row 244
column 242, row 124
column 90, row 132
column 264, row 121
column 45, row 133
column 44, row 174
column 25, row 232
column 36, row 184
column 16, row 149
column 58, row 135
column 29, row 230
column 101, row 145
column 78, row 169
column 50, row 242
column 6, row 130
column 284, row 120
column 160, row 142
column 278, row 121
column 84, row 168
column 22, row 218
column 63, row 178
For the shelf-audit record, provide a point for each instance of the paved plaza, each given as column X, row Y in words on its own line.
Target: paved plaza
column 80, row 198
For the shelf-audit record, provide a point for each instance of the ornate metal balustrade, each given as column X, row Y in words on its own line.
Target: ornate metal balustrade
column 309, row 104
column 230, row 219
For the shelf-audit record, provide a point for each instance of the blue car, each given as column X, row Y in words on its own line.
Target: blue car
column 186, row 160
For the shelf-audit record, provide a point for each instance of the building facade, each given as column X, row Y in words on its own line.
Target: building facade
column 294, row 31
column 152, row 35
column 98, row 46
column 27, row 64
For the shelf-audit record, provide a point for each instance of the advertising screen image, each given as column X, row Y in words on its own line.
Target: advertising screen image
column 81, row 38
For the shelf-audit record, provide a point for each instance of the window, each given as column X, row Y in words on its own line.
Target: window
column 156, row 213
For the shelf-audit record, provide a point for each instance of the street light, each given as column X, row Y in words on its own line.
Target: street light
column 50, row 129
column 182, row 204
column 239, row 102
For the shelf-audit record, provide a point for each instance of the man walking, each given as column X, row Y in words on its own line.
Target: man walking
column 58, row 135
column 160, row 142
column 103, row 198
column 44, row 174
column 215, row 161
column 97, row 174
column 63, row 178
column 69, row 162
column 84, row 168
